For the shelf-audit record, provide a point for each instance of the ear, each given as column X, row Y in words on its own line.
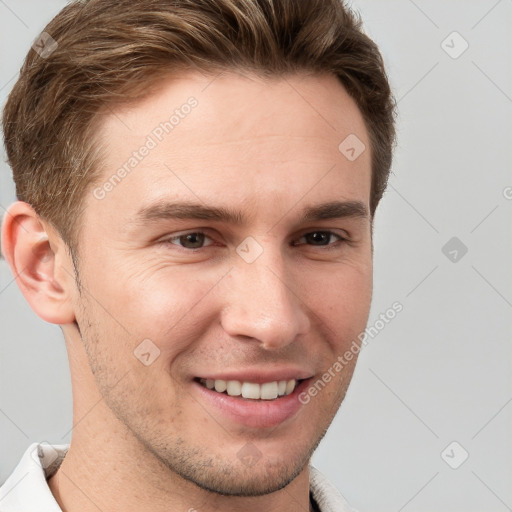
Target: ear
column 40, row 262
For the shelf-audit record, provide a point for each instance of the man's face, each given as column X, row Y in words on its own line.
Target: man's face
column 264, row 297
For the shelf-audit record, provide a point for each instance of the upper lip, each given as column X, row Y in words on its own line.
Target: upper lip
column 259, row 375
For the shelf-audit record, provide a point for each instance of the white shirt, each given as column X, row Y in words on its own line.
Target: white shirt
column 27, row 490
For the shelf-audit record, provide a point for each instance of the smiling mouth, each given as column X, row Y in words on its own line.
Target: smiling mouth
column 251, row 390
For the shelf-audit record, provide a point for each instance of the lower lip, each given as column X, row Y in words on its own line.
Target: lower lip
column 253, row 413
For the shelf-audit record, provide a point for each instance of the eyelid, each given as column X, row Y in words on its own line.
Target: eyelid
column 342, row 238
column 338, row 232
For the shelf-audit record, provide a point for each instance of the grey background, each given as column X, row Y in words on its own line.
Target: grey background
column 441, row 370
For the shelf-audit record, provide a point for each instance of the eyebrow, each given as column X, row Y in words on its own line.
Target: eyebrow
column 198, row 211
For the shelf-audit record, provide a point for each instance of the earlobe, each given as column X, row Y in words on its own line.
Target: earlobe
column 35, row 255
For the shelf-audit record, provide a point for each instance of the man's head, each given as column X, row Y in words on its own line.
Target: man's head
column 214, row 167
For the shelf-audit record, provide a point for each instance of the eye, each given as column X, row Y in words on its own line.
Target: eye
column 193, row 240
column 197, row 239
column 320, row 238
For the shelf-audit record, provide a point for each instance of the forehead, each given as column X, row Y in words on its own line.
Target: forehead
column 234, row 138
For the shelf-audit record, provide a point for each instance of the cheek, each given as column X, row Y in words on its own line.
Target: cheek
column 341, row 301
column 165, row 305
column 351, row 303
column 149, row 290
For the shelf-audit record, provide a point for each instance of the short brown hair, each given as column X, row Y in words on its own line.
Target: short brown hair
column 110, row 51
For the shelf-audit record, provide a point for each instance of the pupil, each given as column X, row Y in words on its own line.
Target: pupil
column 194, row 239
column 319, row 236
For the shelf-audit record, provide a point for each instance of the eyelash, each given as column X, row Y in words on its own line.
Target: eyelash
column 327, row 247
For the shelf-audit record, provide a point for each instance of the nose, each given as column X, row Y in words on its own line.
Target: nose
column 262, row 303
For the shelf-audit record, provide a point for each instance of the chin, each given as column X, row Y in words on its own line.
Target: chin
column 234, row 474
column 246, row 482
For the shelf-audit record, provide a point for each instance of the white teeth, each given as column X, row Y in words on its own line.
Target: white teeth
column 269, row 390
column 234, row 388
column 290, row 386
column 252, row 390
column 220, row 386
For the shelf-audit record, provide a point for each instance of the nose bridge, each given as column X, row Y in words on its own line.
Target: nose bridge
column 261, row 303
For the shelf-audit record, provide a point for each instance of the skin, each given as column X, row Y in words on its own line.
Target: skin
column 143, row 437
